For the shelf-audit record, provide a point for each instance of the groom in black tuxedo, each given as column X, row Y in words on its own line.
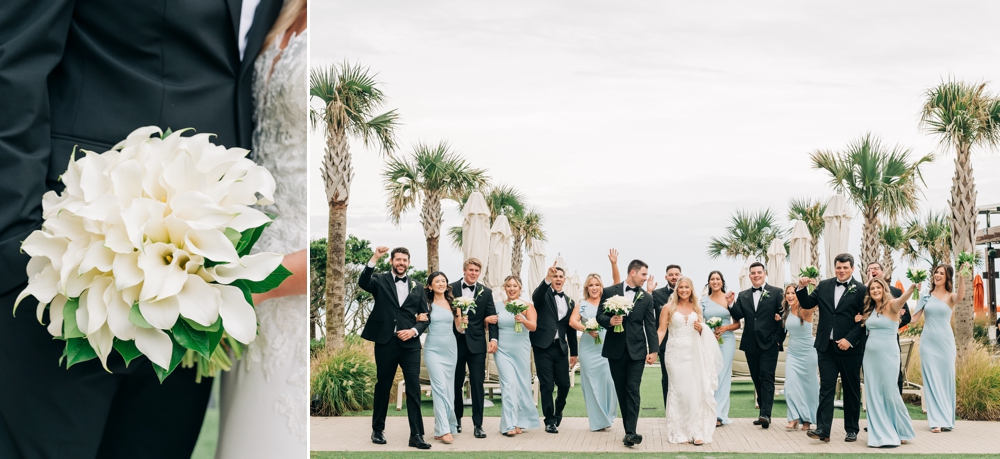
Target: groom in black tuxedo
column 660, row 297
column 394, row 327
column 839, row 344
column 551, row 341
column 763, row 334
column 86, row 74
column 472, row 346
column 629, row 350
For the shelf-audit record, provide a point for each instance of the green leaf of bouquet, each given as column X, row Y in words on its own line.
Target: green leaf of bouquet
column 248, row 238
column 271, row 282
column 198, row 326
column 135, row 316
column 175, row 359
column 70, row 327
column 195, row 340
column 215, row 337
column 243, row 285
column 127, row 349
column 78, row 350
column 166, row 134
column 233, row 236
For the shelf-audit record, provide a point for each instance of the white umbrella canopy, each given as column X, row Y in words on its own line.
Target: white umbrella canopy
column 476, row 228
column 575, row 290
column 799, row 245
column 777, row 274
column 838, row 230
column 745, row 274
column 498, row 266
column 536, row 266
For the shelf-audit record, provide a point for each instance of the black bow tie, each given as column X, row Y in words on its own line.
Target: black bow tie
column 560, row 294
column 400, row 279
column 631, row 289
column 843, row 284
column 470, row 287
column 757, row 289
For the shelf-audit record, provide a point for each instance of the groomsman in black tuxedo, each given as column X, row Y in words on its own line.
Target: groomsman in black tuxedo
column 628, row 351
column 839, row 344
column 472, row 347
column 394, row 325
column 660, row 297
column 551, row 342
column 875, row 270
column 763, row 334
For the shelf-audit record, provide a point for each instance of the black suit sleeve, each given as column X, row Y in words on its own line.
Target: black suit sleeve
column 571, row 341
column 736, row 311
column 365, row 280
column 603, row 318
column 807, row 300
column 904, row 316
column 32, row 40
column 417, row 294
column 491, row 310
column 650, row 326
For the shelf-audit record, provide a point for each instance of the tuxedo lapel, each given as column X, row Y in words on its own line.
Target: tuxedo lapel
column 235, row 11
column 391, row 279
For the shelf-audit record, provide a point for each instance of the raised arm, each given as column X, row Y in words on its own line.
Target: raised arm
column 615, row 275
column 806, row 300
column 959, row 292
column 365, row 279
column 897, row 304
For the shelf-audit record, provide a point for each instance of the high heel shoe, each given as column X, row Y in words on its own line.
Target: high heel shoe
column 792, row 425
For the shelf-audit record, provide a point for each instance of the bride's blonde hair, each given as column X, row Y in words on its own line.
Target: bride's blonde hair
column 286, row 17
column 672, row 303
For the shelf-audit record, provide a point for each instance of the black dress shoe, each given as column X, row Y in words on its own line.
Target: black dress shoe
column 636, row 438
column 479, row 433
column 851, row 436
column 459, row 427
column 551, row 428
column 764, row 421
column 756, row 422
column 819, row 435
column 628, row 440
column 377, row 437
column 417, row 441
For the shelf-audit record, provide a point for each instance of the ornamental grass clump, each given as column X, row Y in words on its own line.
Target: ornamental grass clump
column 342, row 380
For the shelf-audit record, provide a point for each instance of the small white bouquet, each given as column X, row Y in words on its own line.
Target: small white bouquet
column 516, row 307
column 147, row 252
column 466, row 305
column 713, row 323
column 593, row 326
column 619, row 306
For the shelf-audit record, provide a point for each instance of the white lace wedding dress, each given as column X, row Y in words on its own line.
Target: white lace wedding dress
column 264, row 411
column 693, row 363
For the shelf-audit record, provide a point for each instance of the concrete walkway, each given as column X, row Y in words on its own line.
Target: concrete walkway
column 353, row 434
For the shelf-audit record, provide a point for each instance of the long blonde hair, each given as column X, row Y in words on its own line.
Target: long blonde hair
column 672, row 303
column 289, row 13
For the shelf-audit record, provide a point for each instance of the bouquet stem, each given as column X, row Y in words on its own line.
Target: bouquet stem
column 619, row 328
column 517, row 327
column 597, row 339
column 810, row 288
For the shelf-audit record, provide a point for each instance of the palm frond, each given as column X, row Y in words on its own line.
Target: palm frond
column 455, row 235
column 962, row 114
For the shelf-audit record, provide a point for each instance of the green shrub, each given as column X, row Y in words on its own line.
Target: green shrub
column 977, row 385
column 981, row 330
column 343, row 380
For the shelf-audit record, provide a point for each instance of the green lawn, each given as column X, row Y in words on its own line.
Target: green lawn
column 205, row 448
column 741, row 404
column 637, row 455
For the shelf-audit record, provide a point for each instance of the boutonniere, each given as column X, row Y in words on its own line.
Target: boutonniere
column 479, row 292
column 764, row 294
column 413, row 285
column 852, row 288
column 638, row 296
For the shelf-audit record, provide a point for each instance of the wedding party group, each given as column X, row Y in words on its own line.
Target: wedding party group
column 153, row 229
column 625, row 326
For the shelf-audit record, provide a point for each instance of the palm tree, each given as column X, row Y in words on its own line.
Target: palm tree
column 928, row 240
column 964, row 116
column 527, row 228
column 809, row 211
column 880, row 181
column 500, row 200
column 748, row 236
column 433, row 174
column 892, row 238
column 350, row 97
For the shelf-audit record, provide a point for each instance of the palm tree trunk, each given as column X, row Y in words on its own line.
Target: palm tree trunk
column 431, row 216
column 887, row 262
column 336, row 258
column 869, row 238
column 517, row 257
column 963, row 225
column 815, row 252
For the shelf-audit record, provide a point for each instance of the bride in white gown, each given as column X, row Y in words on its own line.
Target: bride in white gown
column 264, row 411
column 693, row 361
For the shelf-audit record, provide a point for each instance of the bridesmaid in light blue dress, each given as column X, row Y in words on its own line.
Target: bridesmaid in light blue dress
column 716, row 304
column 801, row 364
column 440, row 355
column 889, row 423
column 937, row 347
column 598, row 388
column 513, row 359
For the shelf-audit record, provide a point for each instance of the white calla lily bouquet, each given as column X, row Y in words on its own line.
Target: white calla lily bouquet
column 147, row 252
column 466, row 305
column 620, row 306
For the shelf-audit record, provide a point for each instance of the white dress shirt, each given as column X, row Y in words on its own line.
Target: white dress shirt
column 466, row 293
column 757, row 294
column 247, row 12
column 838, row 293
column 629, row 294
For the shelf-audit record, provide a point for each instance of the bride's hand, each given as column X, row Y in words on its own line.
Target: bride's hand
column 697, row 327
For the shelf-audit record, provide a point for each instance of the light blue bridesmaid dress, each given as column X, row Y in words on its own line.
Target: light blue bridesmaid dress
column 440, row 355
column 598, row 388
column 513, row 358
column 801, row 371
column 711, row 309
column 888, row 419
column 937, row 362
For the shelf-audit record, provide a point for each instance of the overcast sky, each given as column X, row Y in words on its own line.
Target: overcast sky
column 644, row 125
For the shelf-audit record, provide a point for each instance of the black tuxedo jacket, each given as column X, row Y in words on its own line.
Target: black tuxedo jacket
column 639, row 337
column 475, row 335
column 904, row 313
column 549, row 326
column 760, row 331
column 88, row 73
column 840, row 319
column 387, row 316
column 660, row 298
